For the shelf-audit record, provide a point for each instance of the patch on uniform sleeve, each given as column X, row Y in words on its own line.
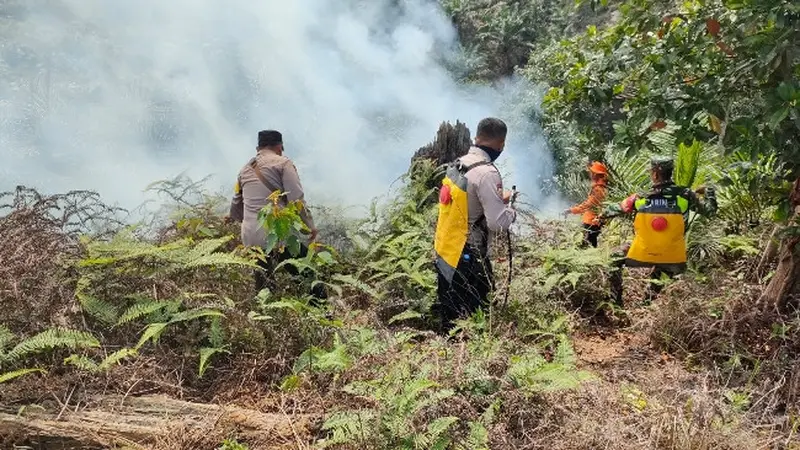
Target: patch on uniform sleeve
column 237, row 188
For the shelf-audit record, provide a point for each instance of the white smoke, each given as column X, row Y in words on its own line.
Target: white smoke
column 112, row 95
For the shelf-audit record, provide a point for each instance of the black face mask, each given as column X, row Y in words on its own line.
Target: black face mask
column 493, row 154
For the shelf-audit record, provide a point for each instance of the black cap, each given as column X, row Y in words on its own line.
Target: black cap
column 268, row 138
column 662, row 163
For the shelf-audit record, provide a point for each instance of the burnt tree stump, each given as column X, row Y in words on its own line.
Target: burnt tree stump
column 451, row 142
column 427, row 164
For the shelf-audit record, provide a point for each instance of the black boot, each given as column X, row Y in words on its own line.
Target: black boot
column 615, row 282
column 319, row 295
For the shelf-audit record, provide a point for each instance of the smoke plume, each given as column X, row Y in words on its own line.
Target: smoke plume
column 113, row 95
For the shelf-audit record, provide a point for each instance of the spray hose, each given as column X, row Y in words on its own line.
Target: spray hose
column 513, row 199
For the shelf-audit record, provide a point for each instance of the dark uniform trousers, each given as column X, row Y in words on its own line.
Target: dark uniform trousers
column 590, row 235
column 468, row 291
column 318, row 292
column 615, row 279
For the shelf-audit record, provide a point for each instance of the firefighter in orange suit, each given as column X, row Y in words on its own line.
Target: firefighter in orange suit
column 592, row 206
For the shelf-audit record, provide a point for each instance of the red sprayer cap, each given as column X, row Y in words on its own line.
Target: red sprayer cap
column 659, row 224
column 444, row 195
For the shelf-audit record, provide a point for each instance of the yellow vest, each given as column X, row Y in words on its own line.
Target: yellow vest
column 452, row 227
column 659, row 229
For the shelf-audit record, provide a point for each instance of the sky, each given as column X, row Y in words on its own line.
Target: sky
column 111, row 96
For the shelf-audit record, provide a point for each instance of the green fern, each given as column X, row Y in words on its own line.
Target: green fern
column 6, row 338
column 478, row 438
column 182, row 254
column 8, row 376
column 405, row 315
column 50, row 339
column 144, row 309
column 154, row 330
column 348, row 427
column 89, row 365
column 151, row 333
column 355, row 283
column 435, row 437
column 105, row 313
column 205, row 357
column 317, row 359
column 216, row 333
column 533, row 373
column 232, row 444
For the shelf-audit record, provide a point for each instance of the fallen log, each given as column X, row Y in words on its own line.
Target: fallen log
column 151, row 422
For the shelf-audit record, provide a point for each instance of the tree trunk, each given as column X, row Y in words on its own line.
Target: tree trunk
column 783, row 289
column 769, row 254
column 144, row 422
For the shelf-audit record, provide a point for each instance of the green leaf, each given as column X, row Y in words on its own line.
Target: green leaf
column 272, row 241
column 116, row 357
column 254, row 316
column 293, row 244
column 198, row 313
column 6, row 337
column 778, row 116
column 143, row 309
column 326, row 257
column 686, row 163
column 786, row 92
column 440, row 426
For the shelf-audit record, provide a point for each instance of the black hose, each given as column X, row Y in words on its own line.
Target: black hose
column 510, row 251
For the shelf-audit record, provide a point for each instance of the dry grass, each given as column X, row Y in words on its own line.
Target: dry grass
column 39, row 241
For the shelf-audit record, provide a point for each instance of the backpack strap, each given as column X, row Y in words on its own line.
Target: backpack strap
column 257, row 170
column 464, row 169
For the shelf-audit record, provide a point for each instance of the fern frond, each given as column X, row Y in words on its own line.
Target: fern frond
column 104, row 312
column 116, row 357
column 478, row 438
column 6, row 338
column 82, row 362
column 205, row 355
column 353, row 282
column 349, row 427
column 193, row 314
column 207, row 247
column 315, row 358
column 152, row 332
column 218, row 260
column 405, row 315
column 438, row 428
column 50, row 339
column 143, row 309
column 8, row 376
column 216, row 334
